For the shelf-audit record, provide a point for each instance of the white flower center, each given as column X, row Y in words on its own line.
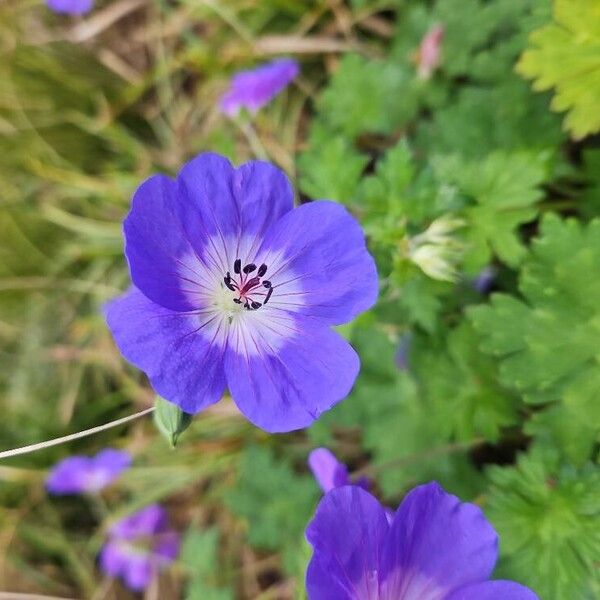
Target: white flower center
column 245, row 297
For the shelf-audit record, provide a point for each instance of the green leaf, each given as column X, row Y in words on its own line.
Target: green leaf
column 274, row 502
column 504, row 188
column 482, row 119
column 331, row 168
column 548, row 342
column 482, row 39
column 459, row 385
column 565, row 55
column 384, row 194
column 398, row 200
column 421, row 301
column 170, row 420
column 398, row 427
column 199, row 555
column 590, row 198
column 546, row 514
column 363, row 95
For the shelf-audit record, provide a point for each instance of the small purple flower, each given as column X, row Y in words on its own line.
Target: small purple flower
column 257, row 87
column 235, row 287
column 403, row 351
column 484, row 281
column 435, row 548
column 81, row 474
column 330, row 472
column 139, row 546
column 71, row 7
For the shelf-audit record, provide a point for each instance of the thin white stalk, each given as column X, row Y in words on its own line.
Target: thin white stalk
column 18, row 596
column 73, row 436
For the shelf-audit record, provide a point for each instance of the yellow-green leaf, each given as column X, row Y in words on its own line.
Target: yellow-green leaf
column 565, row 55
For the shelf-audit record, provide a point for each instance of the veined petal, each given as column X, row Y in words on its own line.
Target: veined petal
column 347, row 534
column 323, row 249
column 184, row 365
column 284, row 372
column 493, row 590
column 156, row 244
column 230, row 207
column 435, row 545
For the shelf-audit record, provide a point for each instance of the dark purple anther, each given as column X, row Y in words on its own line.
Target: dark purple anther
column 268, row 295
column 246, row 287
column 227, row 280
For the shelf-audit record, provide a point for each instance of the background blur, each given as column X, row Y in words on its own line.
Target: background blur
column 453, row 173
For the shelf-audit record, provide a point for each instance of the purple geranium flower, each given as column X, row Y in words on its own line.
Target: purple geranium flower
column 139, row 546
column 71, row 7
column 435, row 548
column 235, row 287
column 253, row 89
column 330, row 472
column 78, row 474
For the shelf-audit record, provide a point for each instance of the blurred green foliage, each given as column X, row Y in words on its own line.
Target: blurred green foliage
column 496, row 396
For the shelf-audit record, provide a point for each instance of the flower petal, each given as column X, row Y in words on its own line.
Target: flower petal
column 322, row 247
column 71, row 7
column 183, row 366
column 287, row 388
column 156, row 245
column 114, row 461
column 113, row 558
column 148, row 521
column 494, row 590
column 225, row 205
column 327, row 469
column 347, row 534
column 69, row 476
column 254, row 88
column 436, row 544
column 167, row 547
column 139, row 572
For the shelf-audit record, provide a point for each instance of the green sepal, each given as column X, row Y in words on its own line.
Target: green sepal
column 170, row 420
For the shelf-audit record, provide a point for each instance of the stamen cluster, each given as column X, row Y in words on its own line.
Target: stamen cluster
column 248, row 288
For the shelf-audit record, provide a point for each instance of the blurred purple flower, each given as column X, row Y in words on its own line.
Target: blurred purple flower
column 233, row 287
column 435, row 548
column 80, row 474
column 484, row 281
column 71, row 7
column 330, row 472
column 402, row 352
column 139, row 546
column 257, row 87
